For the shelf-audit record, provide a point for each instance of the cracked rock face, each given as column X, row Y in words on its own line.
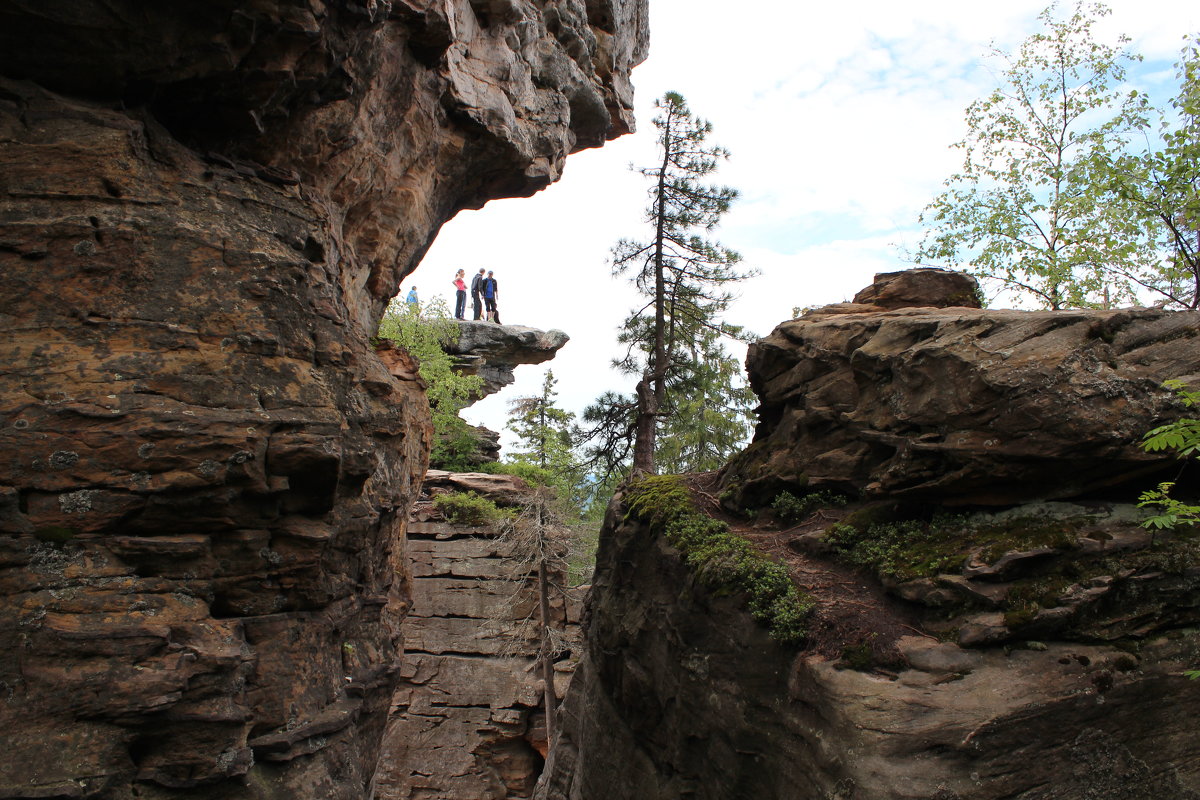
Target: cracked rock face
column 468, row 717
column 959, row 404
column 206, row 469
column 681, row 694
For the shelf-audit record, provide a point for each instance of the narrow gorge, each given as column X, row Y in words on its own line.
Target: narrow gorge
column 224, row 572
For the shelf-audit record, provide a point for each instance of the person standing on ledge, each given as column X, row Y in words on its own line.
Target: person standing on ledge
column 491, row 293
column 413, row 302
column 460, row 295
column 477, row 295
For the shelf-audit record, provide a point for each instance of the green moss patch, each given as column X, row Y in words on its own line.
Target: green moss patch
column 911, row 549
column 790, row 509
column 722, row 561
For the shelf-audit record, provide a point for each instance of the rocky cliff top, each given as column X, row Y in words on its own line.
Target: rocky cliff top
column 1031, row 652
column 925, row 399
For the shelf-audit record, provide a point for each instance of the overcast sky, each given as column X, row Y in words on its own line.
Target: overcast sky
column 839, row 118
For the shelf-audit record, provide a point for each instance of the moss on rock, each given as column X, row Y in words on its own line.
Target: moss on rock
column 722, row 561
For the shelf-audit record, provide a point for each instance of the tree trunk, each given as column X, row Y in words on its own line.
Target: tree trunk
column 545, row 653
column 643, row 436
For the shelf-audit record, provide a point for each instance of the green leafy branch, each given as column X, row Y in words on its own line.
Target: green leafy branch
column 1182, row 436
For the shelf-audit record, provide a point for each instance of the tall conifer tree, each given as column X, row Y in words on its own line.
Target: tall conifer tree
column 684, row 276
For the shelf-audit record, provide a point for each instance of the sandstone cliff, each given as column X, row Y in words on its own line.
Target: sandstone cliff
column 204, row 207
column 1010, row 649
column 468, row 718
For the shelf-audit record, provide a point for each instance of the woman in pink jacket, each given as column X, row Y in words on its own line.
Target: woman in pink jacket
column 460, row 295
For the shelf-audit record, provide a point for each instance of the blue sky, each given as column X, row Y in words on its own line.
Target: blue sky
column 839, row 118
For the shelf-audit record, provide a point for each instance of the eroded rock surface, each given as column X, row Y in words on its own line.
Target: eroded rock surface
column 206, row 469
column 492, row 351
column 1029, row 650
column 681, row 694
column 962, row 405
column 468, row 719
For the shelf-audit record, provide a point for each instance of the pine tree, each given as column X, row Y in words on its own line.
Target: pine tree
column 711, row 410
column 544, row 440
column 684, row 277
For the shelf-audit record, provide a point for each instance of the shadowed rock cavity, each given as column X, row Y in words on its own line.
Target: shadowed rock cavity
column 206, row 470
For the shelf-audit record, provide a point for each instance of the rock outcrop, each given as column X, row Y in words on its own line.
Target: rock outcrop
column 492, row 351
column 959, row 404
column 204, row 208
column 1031, row 650
column 680, row 694
column 468, row 718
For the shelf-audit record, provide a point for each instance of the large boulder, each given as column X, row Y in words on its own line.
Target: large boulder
column 962, row 405
column 205, row 469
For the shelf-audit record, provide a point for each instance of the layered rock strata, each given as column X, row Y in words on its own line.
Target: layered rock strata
column 204, row 208
column 468, row 718
column 680, row 694
column 1033, row 652
column 960, row 404
column 492, row 351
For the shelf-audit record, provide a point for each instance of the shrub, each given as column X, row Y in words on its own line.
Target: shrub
column 530, row 473
column 468, row 508
column 425, row 334
column 722, row 560
column 790, row 509
column 1182, row 436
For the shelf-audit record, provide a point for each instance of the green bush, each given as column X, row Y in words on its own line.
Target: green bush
column 530, row 473
column 790, row 509
column 721, row 559
column 425, row 334
column 468, row 508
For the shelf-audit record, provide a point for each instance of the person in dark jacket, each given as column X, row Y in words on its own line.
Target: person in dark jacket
column 477, row 295
column 491, row 294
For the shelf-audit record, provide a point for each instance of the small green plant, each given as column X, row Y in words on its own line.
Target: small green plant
column 722, row 560
column 790, row 509
column 860, row 657
column 468, row 508
column 1182, row 436
column 530, row 473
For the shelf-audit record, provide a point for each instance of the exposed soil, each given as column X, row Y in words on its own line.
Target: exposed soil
column 855, row 619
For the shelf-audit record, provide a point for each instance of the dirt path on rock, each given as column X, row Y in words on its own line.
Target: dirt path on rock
column 854, row 619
